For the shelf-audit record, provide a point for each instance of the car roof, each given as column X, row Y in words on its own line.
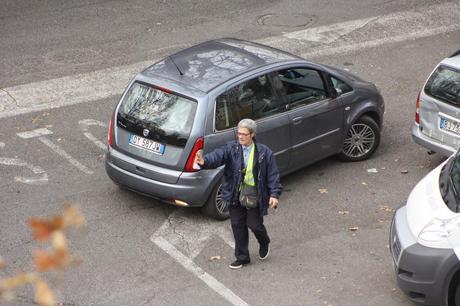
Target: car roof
column 453, row 61
column 211, row 63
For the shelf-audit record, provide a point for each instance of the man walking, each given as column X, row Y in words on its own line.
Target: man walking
column 248, row 166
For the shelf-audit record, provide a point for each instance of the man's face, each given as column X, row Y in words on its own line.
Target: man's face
column 245, row 137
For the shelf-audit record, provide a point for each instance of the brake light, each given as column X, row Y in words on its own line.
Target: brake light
column 199, row 145
column 417, row 109
column 110, row 133
column 163, row 89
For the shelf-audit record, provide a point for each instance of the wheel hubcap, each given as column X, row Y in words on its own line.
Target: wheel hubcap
column 220, row 203
column 360, row 140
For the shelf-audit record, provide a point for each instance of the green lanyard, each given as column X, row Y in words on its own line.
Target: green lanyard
column 249, row 177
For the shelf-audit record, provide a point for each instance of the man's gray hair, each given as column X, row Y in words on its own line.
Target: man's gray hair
column 249, row 124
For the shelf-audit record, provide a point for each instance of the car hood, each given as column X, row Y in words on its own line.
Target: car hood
column 425, row 202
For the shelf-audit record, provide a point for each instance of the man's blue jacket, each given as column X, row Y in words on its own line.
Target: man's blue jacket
column 265, row 171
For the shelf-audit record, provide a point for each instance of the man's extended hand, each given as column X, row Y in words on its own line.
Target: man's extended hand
column 199, row 158
column 273, row 202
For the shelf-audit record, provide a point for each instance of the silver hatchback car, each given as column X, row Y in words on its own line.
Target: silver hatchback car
column 193, row 100
column 437, row 116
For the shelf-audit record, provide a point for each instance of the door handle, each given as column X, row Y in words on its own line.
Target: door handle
column 297, row 120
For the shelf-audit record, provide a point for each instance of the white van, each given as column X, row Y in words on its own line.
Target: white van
column 425, row 238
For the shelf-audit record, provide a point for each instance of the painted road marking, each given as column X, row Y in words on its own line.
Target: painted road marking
column 189, row 265
column 38, row 133
column 338, row 38
column 42, row 176
column 183, row 237
column 190, row 234
column 85, row 124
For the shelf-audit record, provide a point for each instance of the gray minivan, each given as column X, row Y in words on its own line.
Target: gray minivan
column 193, row 100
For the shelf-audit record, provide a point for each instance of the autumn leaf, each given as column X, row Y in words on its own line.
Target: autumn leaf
column 16, row 281
column 72, row 217
column 48, row 260
column 42, row 229
column 43, row 294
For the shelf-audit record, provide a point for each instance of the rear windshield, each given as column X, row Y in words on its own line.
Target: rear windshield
column 444, row 84
column 167, row 116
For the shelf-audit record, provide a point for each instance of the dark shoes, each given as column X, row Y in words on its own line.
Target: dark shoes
column 238, row 264
column 264, row 250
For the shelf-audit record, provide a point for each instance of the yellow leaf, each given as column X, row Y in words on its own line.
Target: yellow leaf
column 59, row 240
column 72, row 217
column 43, row 294
column 322, row 190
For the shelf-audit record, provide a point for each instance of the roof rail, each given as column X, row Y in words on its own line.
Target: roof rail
column 455, row 53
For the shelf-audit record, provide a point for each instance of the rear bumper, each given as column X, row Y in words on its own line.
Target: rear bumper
column 423, row 273
column 191, row 188
column 430, row 143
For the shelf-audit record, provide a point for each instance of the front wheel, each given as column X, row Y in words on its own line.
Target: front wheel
column 216, row 207
column 363, row 138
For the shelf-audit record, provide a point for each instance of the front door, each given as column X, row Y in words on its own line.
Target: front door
column 316, row 119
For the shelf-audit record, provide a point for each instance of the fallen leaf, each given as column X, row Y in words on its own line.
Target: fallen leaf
column 59, row 241
column 344, row 212
column 43, row 294
column 364, row 183
column 72, row 217
column 353, row 228
column 322, row 190
column 48, row 260
column 214, row 258
column 16, row 281
column 42, row 229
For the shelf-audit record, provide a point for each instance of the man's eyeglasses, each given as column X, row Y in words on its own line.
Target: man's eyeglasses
column 244, row 134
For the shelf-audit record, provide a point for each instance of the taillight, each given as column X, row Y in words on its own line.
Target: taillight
column 417, row 110
column 199, row 145
column 110, row 133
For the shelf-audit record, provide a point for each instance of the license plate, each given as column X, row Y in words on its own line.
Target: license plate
column 146, row 144
column 449, row 125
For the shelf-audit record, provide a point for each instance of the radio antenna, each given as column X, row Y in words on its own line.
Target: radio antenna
column 180, row 72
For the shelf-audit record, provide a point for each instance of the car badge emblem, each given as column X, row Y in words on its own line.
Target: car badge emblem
column 145, row 132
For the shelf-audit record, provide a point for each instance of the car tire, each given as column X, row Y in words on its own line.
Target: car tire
column 216, row 207
column 361, row 141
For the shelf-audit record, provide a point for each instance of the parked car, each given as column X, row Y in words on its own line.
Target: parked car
column 193, row 100
column 425, row 238
column 437, row 114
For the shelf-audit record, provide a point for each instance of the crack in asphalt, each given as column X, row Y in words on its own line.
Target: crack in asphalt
column 9, row 95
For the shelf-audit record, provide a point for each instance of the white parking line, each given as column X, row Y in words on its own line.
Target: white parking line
column 84, row 124
column 39, row 133
column 311, row 42
column 190, row 266
column 42, row 177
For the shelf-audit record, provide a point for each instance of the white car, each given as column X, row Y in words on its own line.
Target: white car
column 425, row 238
column 437, row 111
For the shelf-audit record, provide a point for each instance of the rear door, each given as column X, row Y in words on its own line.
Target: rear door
column 153, row 126
column 440, row 106
column 316, row 119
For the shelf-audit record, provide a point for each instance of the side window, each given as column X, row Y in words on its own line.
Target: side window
column 341, row 85
column 444, row 84
column 303, row 86
column 253, row 99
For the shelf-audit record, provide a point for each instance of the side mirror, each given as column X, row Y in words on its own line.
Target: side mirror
column 338, row 91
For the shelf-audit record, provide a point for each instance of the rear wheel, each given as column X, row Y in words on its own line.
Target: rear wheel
column 216, row 207
column 363, row 138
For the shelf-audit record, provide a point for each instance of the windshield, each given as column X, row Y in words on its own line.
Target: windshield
column 449, row 183
column 168, row 117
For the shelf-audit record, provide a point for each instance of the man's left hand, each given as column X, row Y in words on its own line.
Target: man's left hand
column 273, row 202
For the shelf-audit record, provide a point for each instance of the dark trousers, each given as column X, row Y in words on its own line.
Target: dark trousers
column 242, row 219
